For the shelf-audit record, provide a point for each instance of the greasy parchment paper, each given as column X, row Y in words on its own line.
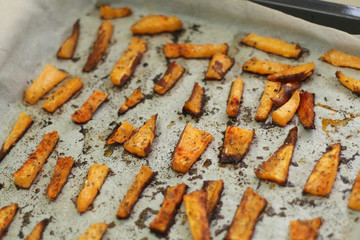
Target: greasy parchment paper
column 32, row 33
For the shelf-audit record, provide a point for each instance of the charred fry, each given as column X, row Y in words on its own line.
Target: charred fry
column 46, row 81
column 285, row 93
column 243, row 224
column 195, row 104
column 27, row 173
column 219, row 65
column 63, row 94
column 7, row 215
column 175, row 50
column 154, row 24
column 86, row 111
column 272, row 45
column 276, row 168
column 126, row 65
column 59, row 178
column 306, row 109
column 195, row 206
column 67, row 49
column 294, row 74
column 94, row 180
column 321, row 179
column 95, row 232
column 22, row 124
column 234, row 100
column 191, row 145
column 37, row 232
column 286, row 112
column 213, row 190
column 264, row 67
column 107, row 12
column 135, row 98
column 141, row 180
column 341, row 59
column 140, row 143
column 354, row 199
column 171, row 203
column 122, row 133
column 304, row 229
column 171, row 76
column 351, row 83
column 271, row 90
column 104, row 34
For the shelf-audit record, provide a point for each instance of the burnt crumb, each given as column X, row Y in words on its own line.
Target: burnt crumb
column 206, row 164
column 330, row 235
column 302, row 202
column 260, row 157
column 83, row 131
column 143, row 216
column 231, row 122
column 344, row 179
column 26, row 219
column 271, row 212
column 80, row 164
column 222, row 229
column 111, row 173
column 267, row 125
column 214, row 110
column 195, row 27
column 348, row 160
column 108, row 152
column 195, row 177
column 266, row 148
column 157, row 78
column 259, row 185
column 111, row 225
column 37, row 190
column 159, row 50
column 192, row 171
column 290, row 184
column 74, row 106
column 145, row 65
column 52, row 233
column 86, row 150
column 2, row 186
column 176, row 35
column 75, row 59
column 161, row 190
column 46, row 122
column 21, row 234
column 295, row 164
column 356, row 219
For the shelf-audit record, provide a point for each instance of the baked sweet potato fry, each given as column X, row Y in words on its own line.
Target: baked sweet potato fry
column 341, row 59
column 60, row 176
column 154, row 24
column 140, row 143
column 94, row 180
column 218, row 66
column 321, row 179
column 72, row 86
column 7, row 215
column 172, row 200
column 295, row 74
column 286, row 112
column 135, row 98
column 354, row 199
column 276, row 168
column 171, row 76
column 244, row 221
column 37, row 232
column 67, row 49
column 186, row 50
column 122, row 133
column 195, row 104
column 213, row 190
column 234, row 100
column 86, row 111
column 107, row 12
column 104, row 34
column 264, row 67
column 285, row 93
column 46, row 81
column 305, row 229
column 27, row 173
column 95, row 232
column 195, row 207
column 306, row 109
column 237, row 142
column 21, row 126
column 191, row 145
column 126, row 65
column 272, row 45
column 142, row 179
column 351, row 83
column 270, row 91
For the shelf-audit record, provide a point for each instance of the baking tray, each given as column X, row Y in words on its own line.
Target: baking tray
column 41, row 28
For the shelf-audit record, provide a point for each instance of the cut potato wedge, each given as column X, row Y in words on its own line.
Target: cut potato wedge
column 122, row 133
column 264, row 67
column 135, row 98
column 341, row 59
column 37, row 232
column 171, row 76
column 7, row 215
column 107, row 12
column 306, row 109
column 154, row 24
column 219, row 65
column 295, row 74
column 285, row 93
column 271, row 90
column 285, row 113
column 67, row 49
column 351, row 83
column 234, row 100
column 354, row 199
column 305, row 229
column 95, row 232
column 186, row 50
column 213, row 190
column 195, row 104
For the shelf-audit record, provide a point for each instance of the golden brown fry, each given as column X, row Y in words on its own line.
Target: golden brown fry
column 195, row 104
column 67, row 49
column 175, row 50
column 213, row 190
column 94, row 180
column 234, row 100
column 47, row 80
column 285, row 113
column 63, row 94
column 341, row 59
column 304, row 229
column 271, row 89
column 86, row 111
column 7, row 215
column 171, row 76
column 59, row 178
column 95, row 232
column 171, row 203
column 154, row 24
column 306, row 109
column 135, row 98
column 122, row 133
column 351, row 83
column 294, row 74
column 236, row 144
column 195, row 207
column 128, row 62
column 21, row 126
column 104, row 34
column 243, row 224
column 140, row 143
column 276, row 168
column 354, row 199
column 219, row 65
column 285, row 93
column 264, row 67
column 37, row 232
column 25, row 176
column 321, row 179
column 107, row 12
column 141, row 180
column 191, row 145
column 272, row 45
